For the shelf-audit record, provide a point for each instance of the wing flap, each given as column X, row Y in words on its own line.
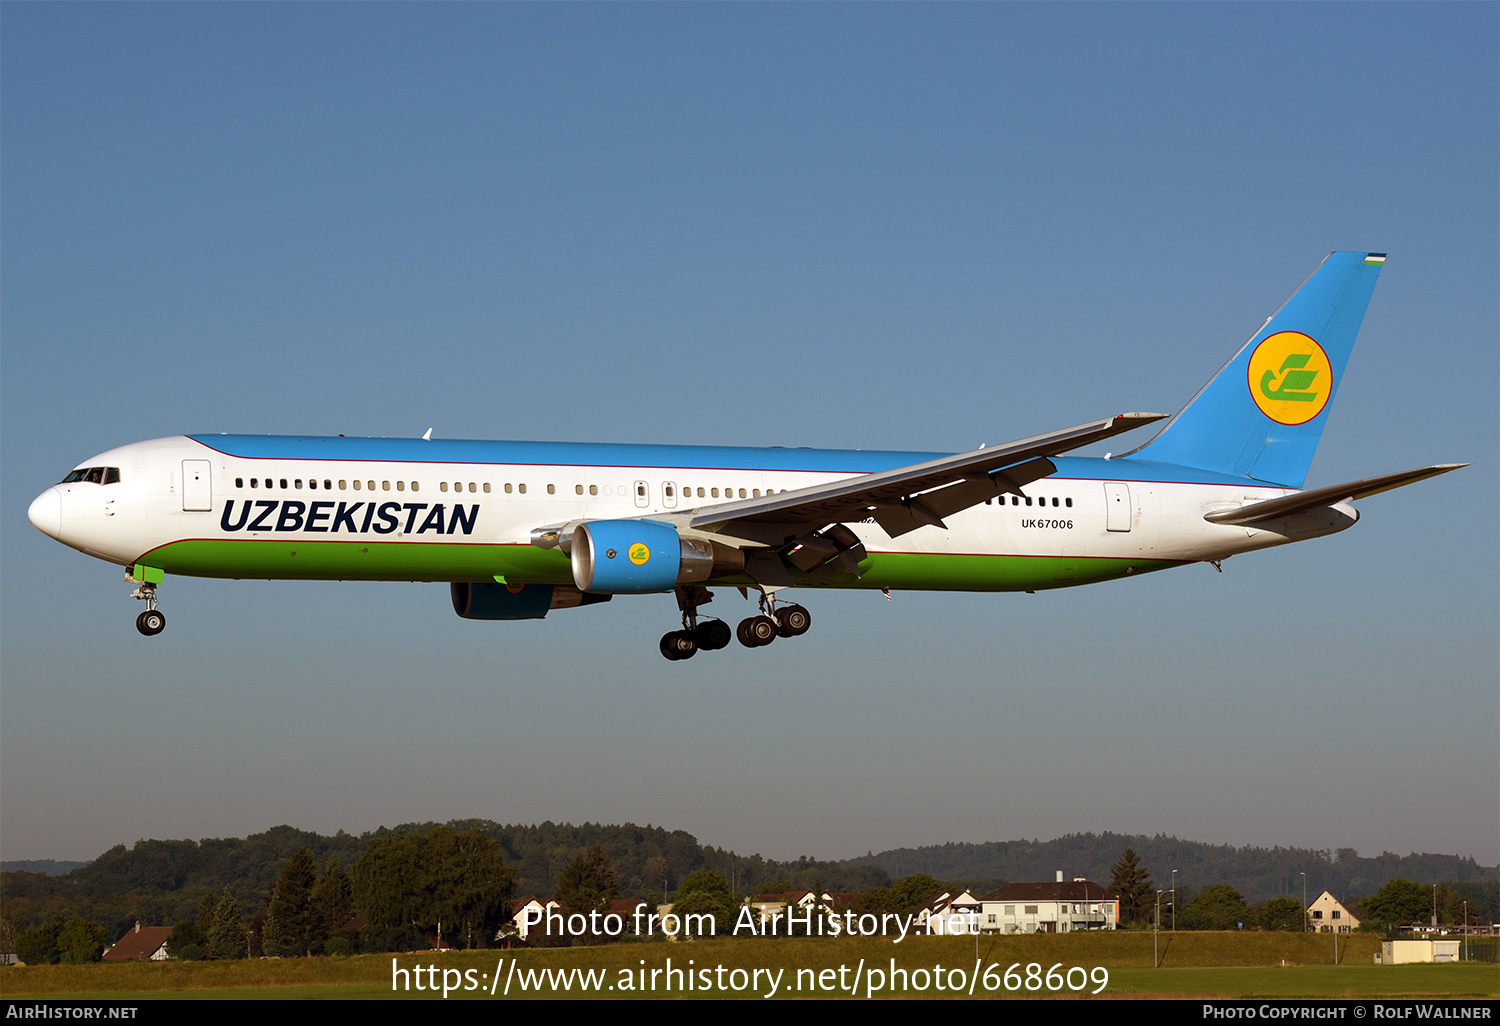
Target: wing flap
column 919, row 495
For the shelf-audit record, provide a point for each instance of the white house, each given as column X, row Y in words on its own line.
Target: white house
column 1328, row 915
column 1056, row 907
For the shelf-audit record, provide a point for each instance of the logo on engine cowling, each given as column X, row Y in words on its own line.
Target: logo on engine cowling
column 639, row 554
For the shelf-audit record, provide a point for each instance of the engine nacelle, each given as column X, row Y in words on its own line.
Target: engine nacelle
column 490, row 601
column 500, row 602
column 634, row 556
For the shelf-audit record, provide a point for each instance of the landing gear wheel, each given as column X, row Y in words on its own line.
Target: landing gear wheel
column 151, row 622
column 678, row 645
column 757, row 631
column 712, row 635
column 795, row 620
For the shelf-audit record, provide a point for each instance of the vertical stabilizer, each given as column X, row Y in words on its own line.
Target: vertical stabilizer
column 1262, row 415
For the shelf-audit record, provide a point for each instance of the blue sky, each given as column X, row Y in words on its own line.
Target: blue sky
column 889, row 226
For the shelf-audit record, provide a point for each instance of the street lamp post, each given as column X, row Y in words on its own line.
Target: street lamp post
column 1174, row 901
column 1155, row 930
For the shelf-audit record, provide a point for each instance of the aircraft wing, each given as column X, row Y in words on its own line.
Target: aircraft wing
column 1299, row 502
column 906, row 498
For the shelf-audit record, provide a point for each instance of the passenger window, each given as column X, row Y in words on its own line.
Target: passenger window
column 593, row 489
column 552, row 489
column 416, row 486
column 385, row 486
column 400, row 486
column 356, row 486
column 239, row 482
column 343, row 484
column 578, row 489
column 486, row 487
column 520, row 487
column 442, row 486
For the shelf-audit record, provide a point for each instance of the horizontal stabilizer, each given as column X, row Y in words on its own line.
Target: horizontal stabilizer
column 1273, row 509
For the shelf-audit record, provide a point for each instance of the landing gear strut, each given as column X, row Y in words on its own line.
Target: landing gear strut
column 153, row 620
column 790, row 621
column 709, row 635
column 696, row 635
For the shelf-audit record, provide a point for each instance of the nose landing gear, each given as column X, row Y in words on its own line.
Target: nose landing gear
column 153, row 621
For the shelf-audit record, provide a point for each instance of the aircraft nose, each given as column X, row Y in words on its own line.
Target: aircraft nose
column 45, row 513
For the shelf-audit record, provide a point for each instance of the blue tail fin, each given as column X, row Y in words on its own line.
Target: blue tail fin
column 1262, row 415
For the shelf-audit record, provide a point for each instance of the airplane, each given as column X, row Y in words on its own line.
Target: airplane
column 518, row 529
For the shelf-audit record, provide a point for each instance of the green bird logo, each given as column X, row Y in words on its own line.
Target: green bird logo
column 1294, row 380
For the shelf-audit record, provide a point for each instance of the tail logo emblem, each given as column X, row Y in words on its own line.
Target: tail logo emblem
column 1290, row 378
column 639, row 553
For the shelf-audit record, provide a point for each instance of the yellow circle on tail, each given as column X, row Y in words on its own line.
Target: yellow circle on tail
column 1290, row 378
column 639, row 553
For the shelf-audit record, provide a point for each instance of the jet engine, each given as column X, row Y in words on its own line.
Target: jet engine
column 490, row 601
column 615, row 557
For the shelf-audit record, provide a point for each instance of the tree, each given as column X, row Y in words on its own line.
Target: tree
column 1220, row 907
column 437, row 879
column 706, row 893
column 332, row 899
column 1283, row 914
column 290, row 929
column 1132, row 885
column 38, row 945
column 1399, row 903
column 228, row 937
column 184, row 935
column 81, row 942
column 588, row 884
column 912, row 892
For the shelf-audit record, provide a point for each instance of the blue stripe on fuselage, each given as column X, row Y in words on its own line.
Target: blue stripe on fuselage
column 562, row 454
column 693, row 457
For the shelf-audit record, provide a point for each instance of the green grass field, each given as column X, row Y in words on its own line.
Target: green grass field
column 1201, row 965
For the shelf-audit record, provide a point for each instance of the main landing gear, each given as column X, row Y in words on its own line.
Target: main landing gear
column 153, row 621
column 789, row 621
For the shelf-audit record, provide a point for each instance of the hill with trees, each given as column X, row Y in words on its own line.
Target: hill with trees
column 1258, row 873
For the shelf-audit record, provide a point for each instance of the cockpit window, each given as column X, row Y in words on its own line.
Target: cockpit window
column 94, row 475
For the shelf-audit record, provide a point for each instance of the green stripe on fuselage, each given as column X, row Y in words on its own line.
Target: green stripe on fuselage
column 362, row 561
column 436, row 561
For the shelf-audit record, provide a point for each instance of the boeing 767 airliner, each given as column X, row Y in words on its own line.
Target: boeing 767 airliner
column 522, row 528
